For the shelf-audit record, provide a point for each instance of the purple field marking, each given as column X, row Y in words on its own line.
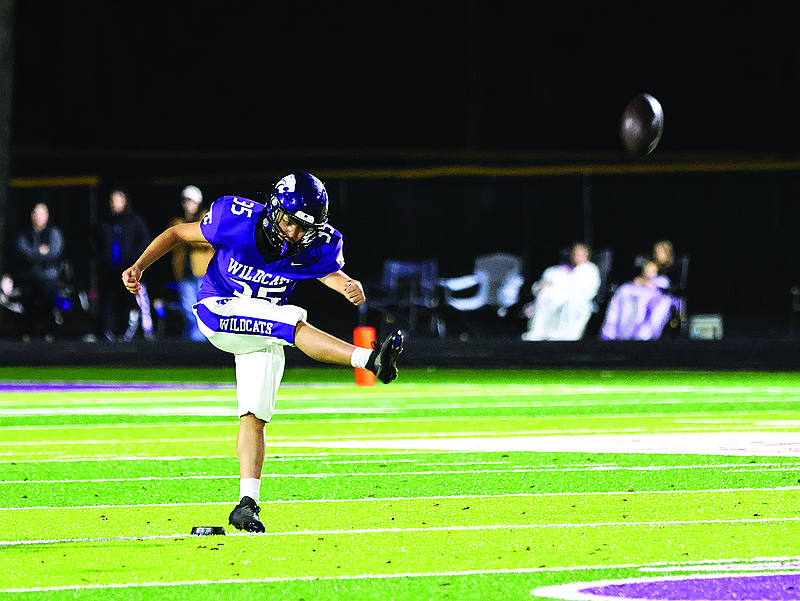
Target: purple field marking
column 780, row 587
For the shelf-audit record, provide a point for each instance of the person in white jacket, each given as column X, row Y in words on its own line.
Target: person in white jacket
column 564, row 295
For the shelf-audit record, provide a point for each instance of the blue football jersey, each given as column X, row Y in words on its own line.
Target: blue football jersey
column 239, row 269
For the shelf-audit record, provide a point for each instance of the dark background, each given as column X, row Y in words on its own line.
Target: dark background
column 434, row 75
column 369, row 95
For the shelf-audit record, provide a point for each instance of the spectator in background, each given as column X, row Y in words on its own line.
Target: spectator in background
column 118, row 242
column 564, row 297
column 10, row 307
column 10, row 294
column 39, row 250
column 189, row 262
column 664, row 258
column 639, row 309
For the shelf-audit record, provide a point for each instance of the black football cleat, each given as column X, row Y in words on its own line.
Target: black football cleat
column 245, row 516
column 382, row 361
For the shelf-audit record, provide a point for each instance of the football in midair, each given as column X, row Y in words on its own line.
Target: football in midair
column 642, row 125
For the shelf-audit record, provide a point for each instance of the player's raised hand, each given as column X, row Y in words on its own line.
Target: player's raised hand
column 354, row 292
column 131, row 277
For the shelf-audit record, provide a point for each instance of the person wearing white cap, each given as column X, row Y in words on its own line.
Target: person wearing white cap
column 189, row 262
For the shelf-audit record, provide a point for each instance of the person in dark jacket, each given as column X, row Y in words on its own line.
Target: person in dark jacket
column 39, row 250
column 118, row 242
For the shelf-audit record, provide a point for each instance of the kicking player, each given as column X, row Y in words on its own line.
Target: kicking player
column 262, row 251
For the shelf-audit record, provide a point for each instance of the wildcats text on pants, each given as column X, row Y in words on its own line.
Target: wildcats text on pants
column 246, row 325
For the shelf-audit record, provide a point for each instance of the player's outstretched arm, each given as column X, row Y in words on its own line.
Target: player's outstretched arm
column 161, row 245
column 345, row 285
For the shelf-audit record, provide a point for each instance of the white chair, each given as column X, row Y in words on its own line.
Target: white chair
column 494, row 284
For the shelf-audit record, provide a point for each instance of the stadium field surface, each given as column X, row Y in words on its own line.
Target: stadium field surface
column 446, row 484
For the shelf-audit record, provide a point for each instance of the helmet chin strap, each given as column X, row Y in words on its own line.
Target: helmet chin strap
column 266, row 247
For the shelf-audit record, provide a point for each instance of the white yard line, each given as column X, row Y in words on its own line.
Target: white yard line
column 406, row 575
column 485, row 527
column 745, row 443
column 723, row 468
column 685, row 441
column 463, row 440
column 702, row 492
column 731, row 419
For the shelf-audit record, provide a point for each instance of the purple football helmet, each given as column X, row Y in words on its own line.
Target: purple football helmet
column 303, row 198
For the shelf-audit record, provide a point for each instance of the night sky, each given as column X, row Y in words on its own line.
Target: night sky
column 436, row 75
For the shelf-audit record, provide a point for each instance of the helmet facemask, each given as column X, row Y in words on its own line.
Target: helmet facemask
column 275, row 236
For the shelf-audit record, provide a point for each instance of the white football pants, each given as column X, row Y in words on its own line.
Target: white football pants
column 255, row 332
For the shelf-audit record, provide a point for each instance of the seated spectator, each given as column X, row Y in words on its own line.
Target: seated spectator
column 10, row 300
column 564, row 295
column 639, row 309
column 664, row 258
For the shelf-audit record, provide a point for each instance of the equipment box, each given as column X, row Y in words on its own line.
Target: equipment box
column 705, row 327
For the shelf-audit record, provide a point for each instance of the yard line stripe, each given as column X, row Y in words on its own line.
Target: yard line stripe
column 452, row 573
column 313, row 439
column 142, row 479
column 36, row 443
column 488, row 527
column 108, row 539
column 289, row 457
column 232, row 423
column 707, row 419
column 392, row 405
column 54, row 386
column 76, row 457
column 262, row 502
column 320, row 475
column 222, row 409
column 284, row 458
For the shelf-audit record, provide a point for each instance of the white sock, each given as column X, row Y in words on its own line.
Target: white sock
column 360, row 357
column 250, row 487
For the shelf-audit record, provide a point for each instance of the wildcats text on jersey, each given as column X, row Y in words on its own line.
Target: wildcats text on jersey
column 248, row 273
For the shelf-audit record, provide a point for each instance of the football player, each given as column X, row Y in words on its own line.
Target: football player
column 262, row 251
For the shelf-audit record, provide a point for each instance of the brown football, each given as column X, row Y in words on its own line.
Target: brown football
column 641, row 126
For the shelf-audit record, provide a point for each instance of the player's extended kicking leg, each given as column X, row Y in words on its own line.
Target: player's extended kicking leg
column 256, row 332
column 323, row 347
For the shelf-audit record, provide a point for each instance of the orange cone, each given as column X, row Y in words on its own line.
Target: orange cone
column 364, row 337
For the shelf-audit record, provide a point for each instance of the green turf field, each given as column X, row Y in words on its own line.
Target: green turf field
column 445, row 484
